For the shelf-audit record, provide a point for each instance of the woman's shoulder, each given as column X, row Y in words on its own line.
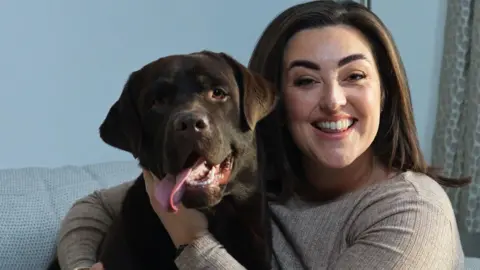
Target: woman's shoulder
column 412, row 191
column 420, row 187
column 422, row 184
column 412, row 203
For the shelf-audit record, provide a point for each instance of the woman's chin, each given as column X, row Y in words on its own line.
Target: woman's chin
column 334, row 159
column 336, row 164
column 338, row 159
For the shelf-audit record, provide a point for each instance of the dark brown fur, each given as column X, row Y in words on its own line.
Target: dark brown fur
column 142, row 122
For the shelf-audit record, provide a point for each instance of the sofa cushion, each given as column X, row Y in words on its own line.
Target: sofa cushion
column 34, row 200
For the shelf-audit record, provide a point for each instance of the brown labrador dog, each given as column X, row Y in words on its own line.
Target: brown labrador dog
column 190, row 119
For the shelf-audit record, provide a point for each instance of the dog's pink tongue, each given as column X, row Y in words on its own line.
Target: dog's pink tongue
column 169, row 190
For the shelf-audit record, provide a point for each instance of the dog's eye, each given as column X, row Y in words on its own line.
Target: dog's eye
column 158, row 102
column 218, row 94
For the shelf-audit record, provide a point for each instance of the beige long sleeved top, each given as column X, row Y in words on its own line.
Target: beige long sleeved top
column 406, row 222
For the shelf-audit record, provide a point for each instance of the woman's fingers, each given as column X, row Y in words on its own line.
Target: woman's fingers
column 97, row 266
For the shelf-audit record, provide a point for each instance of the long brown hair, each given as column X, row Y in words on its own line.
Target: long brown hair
column 396, row 143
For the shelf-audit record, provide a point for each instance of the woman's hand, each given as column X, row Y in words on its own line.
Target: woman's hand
column 185, row 225
column 97, row 266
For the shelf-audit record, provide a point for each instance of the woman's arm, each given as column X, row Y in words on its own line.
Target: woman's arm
column 405, row 229
column 85, row 225
column 87, row 222
column 206, row 253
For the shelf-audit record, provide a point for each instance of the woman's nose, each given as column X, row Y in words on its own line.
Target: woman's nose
column 333, row 98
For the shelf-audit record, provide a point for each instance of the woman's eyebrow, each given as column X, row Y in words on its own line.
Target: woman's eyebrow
column 311, row 65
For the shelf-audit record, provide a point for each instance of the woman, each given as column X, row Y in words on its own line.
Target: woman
column 356, row 194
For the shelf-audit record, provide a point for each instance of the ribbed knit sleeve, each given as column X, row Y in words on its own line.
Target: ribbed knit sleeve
column 85, row 225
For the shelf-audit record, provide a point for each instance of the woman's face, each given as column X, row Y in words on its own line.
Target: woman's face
column 332, row 94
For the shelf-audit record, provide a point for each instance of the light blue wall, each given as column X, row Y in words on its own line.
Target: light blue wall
column 62, row 63
column 417, row 28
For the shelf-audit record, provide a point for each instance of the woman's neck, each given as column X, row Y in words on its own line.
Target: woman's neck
column 334, row 182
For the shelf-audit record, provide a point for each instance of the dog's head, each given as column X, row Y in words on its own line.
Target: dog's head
column 190, row 119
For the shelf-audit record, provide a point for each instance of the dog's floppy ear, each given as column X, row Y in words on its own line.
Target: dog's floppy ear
column 122, row 127
column 259, row 96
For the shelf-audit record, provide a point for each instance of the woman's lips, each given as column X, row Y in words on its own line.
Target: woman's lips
column 335, row 130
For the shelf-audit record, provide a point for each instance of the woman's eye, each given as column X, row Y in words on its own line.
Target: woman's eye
column 356, row 77
column 303, row 82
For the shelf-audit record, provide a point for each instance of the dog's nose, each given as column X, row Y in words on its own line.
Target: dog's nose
column 191, row 122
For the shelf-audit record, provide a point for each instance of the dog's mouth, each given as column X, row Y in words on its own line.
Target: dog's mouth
column 203, row 173
column 197, row 174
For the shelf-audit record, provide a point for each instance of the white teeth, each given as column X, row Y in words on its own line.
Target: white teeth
column 203, row 174
column 199, row 171
column 202, row 177
column 337, row 125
